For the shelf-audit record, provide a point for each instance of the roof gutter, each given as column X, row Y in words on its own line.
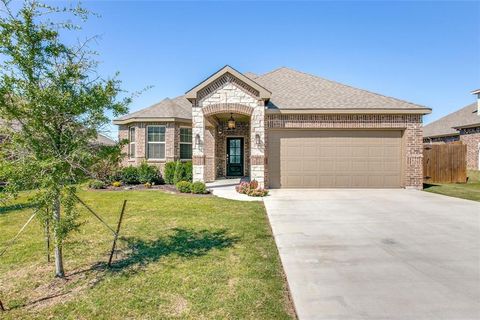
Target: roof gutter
column 473, row 125
column 155, row 119
column 421, row 111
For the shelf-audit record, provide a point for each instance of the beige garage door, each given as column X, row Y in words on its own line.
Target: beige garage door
column 334, row 159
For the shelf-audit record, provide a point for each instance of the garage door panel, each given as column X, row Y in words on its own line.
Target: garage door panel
column 334, row 158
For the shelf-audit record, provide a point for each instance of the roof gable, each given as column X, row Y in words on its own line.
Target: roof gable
column 263, row 93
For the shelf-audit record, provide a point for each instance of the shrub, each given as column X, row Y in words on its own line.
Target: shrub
column 148, row 174
column 179, row 172
column 116, row 184
column 188, row 171
column 199, row 187
column 184, row 186
column 130, row 175
column 96, row 184
column 169, row 172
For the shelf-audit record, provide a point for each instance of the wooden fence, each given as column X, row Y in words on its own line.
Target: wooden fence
column 445, row 163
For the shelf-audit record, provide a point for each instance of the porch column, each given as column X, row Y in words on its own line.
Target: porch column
column 198, row 139
column 257, row 144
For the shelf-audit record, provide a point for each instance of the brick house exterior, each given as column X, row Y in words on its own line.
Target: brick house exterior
column 283, row 100
column 462, row 125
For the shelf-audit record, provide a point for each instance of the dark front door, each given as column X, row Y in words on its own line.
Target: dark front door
column 235, row 157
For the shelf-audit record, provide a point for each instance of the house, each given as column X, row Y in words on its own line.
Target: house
column 101, row 140
column 285, row 129
column 462, row 125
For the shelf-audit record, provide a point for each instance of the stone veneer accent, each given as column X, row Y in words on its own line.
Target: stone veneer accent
column 410, row 124
column 226, row 95
column 471, row 138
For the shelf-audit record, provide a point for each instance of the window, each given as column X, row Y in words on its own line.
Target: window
column 156, row 142
column 185, row 143
column 131, row 142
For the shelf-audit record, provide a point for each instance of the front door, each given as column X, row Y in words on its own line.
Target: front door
column 235, row 157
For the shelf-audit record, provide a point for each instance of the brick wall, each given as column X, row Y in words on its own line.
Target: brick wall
column 411, row 125
column 172, row 139
column 471, row 138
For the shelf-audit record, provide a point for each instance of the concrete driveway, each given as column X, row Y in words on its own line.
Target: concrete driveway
column 378, row 254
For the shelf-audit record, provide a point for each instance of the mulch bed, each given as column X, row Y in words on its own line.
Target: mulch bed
column 162, row 187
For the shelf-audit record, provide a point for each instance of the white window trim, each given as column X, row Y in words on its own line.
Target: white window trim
column 147, row 143
column 180, row 142
column 130, row 142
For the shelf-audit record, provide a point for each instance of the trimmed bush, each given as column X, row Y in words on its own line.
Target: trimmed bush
column 169, row 172
column 199, row 187
column 130, row 175
column 184, row 187
column 96, row 184
column 148, row 174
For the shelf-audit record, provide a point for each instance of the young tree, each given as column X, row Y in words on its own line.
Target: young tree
column 52, row 92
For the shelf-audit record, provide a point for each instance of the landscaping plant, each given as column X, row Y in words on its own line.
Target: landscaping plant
column 96, row 184
column 148, row 174
column 169, row 172
column 199, row 187
column 52, row 90
column 184, row 186
column 251, row 189
column 130, row 175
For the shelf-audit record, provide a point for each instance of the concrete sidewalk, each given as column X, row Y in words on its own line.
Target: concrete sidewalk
column 378, row 254
column 225, row 188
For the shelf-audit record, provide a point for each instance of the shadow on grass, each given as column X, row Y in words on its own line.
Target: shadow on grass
column 429, row 185
column 13, row 207
column 185, row 243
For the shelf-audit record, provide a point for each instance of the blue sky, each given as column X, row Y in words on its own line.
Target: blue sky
column 423, row 52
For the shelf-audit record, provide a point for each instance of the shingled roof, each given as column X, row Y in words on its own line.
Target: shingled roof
column 465, row 117
column 178, row 107
column 293, row 89
column 290, row 90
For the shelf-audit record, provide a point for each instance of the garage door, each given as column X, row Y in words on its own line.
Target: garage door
column 334, row 159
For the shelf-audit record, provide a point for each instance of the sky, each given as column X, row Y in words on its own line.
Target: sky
column 423, row 52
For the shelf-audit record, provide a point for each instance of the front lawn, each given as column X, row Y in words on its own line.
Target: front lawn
column 182, row 256
column 469, row 190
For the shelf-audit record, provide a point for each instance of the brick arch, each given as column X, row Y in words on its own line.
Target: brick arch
column 227, row 108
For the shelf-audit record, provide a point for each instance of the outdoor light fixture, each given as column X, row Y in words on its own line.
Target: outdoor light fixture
column 257, row 139
column 231, row 122
column 197, row 140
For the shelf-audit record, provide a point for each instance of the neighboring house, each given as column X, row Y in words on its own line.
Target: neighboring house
column 462, row 125
column 101, row 139
column 286, row 129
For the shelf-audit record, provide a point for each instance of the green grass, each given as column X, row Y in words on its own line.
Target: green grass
column 469, row 190
column 180, row 257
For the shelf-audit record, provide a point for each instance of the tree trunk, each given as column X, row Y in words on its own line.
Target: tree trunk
column 47, row 238
column 59, row 272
